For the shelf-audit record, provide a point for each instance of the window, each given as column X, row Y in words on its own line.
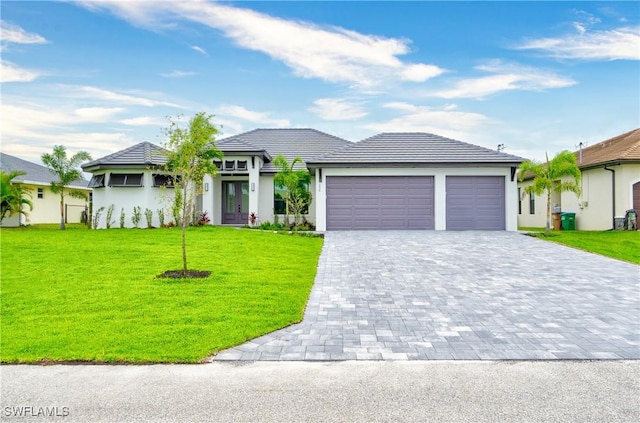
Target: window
column 160, row 180
column 532, row 203
column 229, row 165
column 97, row 181
column 242, row 165
column 519, row 200
column 280, row 193
column 40, row 192
column 218, row 164
column 125, row 180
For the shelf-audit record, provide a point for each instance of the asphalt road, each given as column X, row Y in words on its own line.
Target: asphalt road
column 350, row 391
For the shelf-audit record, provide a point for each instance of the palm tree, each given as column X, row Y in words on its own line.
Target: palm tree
column 13, row 195
column 66, row 170
column 548, row 177
column 297, row 184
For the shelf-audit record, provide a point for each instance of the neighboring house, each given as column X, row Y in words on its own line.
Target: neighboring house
column 46, row 204
column 130, row 178
column 610, row 186
column 389, row 181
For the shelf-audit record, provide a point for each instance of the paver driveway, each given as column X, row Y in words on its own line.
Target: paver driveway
column 414, row 295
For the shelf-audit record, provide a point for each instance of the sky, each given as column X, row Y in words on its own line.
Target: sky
column 100, row 76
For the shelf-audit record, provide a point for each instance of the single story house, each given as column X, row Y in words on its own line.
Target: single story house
column 389, row 181
column 610, row 186
column 46, row 204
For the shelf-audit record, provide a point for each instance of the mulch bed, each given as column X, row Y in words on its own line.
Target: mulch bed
column 179, row 274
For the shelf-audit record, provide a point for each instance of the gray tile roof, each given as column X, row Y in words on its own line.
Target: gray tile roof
column 414, row 148
column 291, row 143
column 142, row 154
column 35, row 173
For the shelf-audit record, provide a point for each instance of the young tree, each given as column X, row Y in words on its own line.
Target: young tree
column 66, row 170
column 548, row 177
column 296, row 182
column 13, row 195
column 191, row 153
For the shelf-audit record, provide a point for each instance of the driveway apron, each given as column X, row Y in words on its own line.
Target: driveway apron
column 429, row 295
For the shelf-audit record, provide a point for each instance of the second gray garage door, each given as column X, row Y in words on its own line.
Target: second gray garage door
column 475, row 202
column 377, row 202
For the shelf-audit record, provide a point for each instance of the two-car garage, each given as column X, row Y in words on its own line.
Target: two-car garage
column 409, row 202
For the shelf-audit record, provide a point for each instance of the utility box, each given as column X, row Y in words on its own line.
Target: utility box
column 568, row 221
column 555, row 219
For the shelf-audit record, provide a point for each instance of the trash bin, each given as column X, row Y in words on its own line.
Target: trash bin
column 555, row 218
column 568, row 221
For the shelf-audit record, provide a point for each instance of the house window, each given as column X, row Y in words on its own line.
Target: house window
column 40, row 192
column 242, row 165
column 280, row 193
column 97, row 181
column 519, row 200
column 218, row 164
column 125, row 180
column 229, row 165
column 532, row 203
column 160, row 180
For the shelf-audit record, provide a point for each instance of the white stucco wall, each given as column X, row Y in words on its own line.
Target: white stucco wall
column 439, row 174
column 146, row 197
column 594, row 207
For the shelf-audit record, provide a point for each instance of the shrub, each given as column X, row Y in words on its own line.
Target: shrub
column 121, row 218
column 148, row 214
column 110, row 215
column 161, row 217
column 96, row 217
column 137, row 215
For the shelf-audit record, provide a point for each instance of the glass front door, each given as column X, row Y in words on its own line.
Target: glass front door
column 235, row 202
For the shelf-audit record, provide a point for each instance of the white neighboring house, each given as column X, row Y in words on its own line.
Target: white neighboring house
column 46, row 204
column 610, row 186
column 130, row 178
column 389, row 181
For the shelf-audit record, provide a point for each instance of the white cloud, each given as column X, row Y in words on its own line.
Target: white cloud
column 251, row 116
column 330, row 53
column 98, row 114
column 199, row 49
column 337, row 109
column 444, row 122
column 616, row 44
column 506, row 77
column 9, row 72
column 145, row 121
column 177, row 74
column 122, row 98
column 10, row 33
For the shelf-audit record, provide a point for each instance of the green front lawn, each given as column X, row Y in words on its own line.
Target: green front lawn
column 92, row 295
column 621, row 245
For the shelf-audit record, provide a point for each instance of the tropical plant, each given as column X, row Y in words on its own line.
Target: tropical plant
column 122, row 218
column 253, row 218
column 296, row 181
column 110, row 215
column 136, row 216
column 13, row 195
column 161, row 217
column 560, row 174
column 148, row 214
column 66, row 171
column 96, row 217
column 191, row 153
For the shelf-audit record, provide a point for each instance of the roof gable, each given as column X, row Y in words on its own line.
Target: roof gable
column 35, row 173
column 625, row 147
column 415, row 148
column 141, row 154
column 290, row 142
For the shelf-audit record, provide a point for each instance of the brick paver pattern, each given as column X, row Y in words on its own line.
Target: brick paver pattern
column 435, row 295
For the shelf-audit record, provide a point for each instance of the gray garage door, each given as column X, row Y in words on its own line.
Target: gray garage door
column 376, row 202
column 475, row 202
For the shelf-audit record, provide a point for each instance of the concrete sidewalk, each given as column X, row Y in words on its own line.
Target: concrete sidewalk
column 378, row 391
column 434, row 295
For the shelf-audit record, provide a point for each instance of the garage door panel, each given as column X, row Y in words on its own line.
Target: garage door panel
column 475, row 202
column 376, row 202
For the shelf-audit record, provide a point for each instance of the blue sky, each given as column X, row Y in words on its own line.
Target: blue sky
column 535, row 76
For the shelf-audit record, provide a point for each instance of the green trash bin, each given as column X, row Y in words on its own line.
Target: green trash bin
column 568, row 221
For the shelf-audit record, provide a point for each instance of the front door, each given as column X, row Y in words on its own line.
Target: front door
column 235, row 202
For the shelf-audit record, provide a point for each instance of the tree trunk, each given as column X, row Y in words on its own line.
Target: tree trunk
column 548, row 228
column 62, row 211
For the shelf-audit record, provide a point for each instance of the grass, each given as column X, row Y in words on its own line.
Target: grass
column 621, row 245
column 92, row 295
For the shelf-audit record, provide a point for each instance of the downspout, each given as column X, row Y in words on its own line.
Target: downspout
column 613, row 194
